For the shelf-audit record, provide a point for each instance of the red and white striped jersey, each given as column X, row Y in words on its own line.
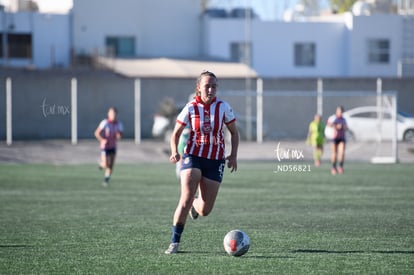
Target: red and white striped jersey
column 207, row 124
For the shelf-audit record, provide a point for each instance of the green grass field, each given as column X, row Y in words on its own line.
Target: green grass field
column 59, row 220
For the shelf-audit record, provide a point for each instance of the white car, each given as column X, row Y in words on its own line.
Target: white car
column 363, row 124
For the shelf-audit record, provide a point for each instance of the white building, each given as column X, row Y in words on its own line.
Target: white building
column 132, row 28
column 352, row 46
column 346, row 46
column 37, row 40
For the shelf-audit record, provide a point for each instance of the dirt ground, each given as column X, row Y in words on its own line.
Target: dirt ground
column 87, row 151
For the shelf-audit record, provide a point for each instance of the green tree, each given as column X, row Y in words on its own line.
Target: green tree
column 341, row 5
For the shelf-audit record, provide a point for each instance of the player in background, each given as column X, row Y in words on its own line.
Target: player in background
column 107, row 133
column 316, row 138
column 182, row 142
column 204, row 158
column 338, row 143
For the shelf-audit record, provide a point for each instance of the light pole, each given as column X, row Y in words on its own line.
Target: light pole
column 247, row 60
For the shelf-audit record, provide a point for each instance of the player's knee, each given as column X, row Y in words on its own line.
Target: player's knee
column 205, row 212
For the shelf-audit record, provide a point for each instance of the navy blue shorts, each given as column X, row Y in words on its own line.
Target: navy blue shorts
column 109, row 152
column 336, row 141
column 210, row 168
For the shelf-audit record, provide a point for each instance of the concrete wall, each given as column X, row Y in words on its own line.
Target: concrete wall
column 42, row 104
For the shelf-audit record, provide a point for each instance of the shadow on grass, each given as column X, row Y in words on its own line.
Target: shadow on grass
column 351, row 251
column 15, row 245
column 267, row 257
column 247, row 255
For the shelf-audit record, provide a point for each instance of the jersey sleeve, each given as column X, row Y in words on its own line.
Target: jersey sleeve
column 229, row 116
column 183, row 116
column 102, row 124
column 120, row 127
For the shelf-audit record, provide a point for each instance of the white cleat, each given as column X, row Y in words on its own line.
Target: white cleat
column 172, row 249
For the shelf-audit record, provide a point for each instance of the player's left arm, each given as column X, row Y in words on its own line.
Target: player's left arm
column 232, row 158
column 120, row 131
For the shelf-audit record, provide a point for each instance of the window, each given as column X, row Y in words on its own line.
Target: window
column 19, row 45
column 241, row 52
column 305, row 54
column 373, row 115
column 120, row 46
column 378, row 51
column 365, row 115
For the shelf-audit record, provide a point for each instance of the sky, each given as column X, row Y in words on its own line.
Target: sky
column 58, row 6
column 266, row 9
column 54, row 5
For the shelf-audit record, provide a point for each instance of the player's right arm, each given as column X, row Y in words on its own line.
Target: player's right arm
column 180, row 124
column 98, row 132
column 175, row 137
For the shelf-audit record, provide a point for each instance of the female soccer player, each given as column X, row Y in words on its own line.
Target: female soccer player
column 338, row 142
column 107, row 133
column 203, row 160
column 316, row 134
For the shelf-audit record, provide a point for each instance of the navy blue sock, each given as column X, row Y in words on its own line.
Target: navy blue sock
column 177, row 230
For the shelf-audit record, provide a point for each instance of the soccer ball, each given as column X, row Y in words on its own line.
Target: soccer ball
column 236, row 243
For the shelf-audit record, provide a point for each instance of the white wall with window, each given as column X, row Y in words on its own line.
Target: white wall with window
column 131, row 28
column 282, row 49
column 353, row 46
column 36, row 40
column 375, row 45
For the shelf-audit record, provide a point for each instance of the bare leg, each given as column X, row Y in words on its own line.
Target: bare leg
column 109, row 163
column 190, row 179
column 317, row 154
column 320, row 148
column 103, row 160
column 207, row 196
column 341, row 157
column 110, row 160
column 334, row 158
column 341, row 152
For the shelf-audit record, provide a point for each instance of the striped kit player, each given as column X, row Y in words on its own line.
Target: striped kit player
column 108, row 132
column 204, row 157
column 207, row 121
